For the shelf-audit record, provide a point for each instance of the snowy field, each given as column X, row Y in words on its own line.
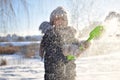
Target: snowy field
column 99, row 62
column 103, row 67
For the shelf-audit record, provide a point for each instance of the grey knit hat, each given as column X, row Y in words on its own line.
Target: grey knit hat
column 59, row 12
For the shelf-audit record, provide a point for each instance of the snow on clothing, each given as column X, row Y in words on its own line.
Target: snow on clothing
column 57, row 67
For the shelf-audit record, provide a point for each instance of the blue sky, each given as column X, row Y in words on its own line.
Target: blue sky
column 39, row 11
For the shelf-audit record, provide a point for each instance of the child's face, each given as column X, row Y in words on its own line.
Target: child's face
column 59, row 22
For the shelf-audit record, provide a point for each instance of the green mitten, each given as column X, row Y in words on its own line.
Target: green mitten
column 70, row 57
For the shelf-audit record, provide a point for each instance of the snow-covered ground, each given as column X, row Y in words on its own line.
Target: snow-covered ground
column 103, row 67
column 26, row 70
column 90, row 66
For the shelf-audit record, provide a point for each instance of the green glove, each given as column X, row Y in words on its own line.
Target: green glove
column 95, row 33
column 70, row 57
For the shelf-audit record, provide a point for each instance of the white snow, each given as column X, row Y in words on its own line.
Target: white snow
column 19, row 68
column 103, row 67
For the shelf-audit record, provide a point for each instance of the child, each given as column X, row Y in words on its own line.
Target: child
column 58, row 42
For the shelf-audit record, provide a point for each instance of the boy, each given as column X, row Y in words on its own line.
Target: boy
column 58, row 42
